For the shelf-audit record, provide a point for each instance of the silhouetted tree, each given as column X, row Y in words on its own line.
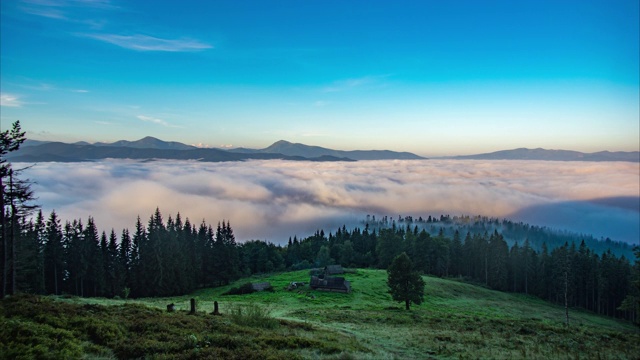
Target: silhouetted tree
column 54, row 255
column 405, row 284
column 15, row 198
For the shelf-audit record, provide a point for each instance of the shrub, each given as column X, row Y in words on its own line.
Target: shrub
column 253, row 316
column 28, row 340
column 241, row 290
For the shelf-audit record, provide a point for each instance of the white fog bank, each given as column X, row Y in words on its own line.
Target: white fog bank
column 272, row 200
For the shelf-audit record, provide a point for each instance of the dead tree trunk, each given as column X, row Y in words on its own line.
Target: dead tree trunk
column 486, row 268
column 55, row 277
column 566, row 291
column 13, row 235
column 193, row 306
column 5, row 248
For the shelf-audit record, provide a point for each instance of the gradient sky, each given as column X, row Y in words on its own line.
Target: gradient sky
column 431, row 77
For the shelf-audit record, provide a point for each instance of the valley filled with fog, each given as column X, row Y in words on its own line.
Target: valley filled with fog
column 274, row 199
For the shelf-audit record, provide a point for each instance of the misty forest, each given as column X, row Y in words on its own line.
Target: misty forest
column 172, row 257
column 175, row 257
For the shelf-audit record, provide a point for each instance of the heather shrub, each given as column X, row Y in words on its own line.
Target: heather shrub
column 253, row 315
column 241, row 290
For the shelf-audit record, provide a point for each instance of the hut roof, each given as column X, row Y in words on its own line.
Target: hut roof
column 330, row 283
column 260, row 286
column 333, row 269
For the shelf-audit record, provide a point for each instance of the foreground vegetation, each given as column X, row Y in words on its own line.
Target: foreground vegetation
column 456, row 320
column 36, row 327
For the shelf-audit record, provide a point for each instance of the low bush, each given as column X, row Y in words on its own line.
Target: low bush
column 241, row 290
column 253, row 315
column 26, row 340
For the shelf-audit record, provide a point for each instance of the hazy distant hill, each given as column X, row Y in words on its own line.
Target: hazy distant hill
column 30, row 142
column 61, row 152
column 150, row 142
column 153, row 148
column 291, row 149
column 554, row 155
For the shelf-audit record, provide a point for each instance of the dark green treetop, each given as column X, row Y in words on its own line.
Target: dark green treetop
column 405, row 284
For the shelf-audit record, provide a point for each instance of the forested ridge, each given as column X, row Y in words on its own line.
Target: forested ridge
column 513, row 231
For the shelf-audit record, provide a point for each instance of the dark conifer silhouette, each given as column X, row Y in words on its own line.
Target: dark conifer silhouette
column 405, row 284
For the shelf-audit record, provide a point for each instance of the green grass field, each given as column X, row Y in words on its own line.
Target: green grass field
column 457, row 320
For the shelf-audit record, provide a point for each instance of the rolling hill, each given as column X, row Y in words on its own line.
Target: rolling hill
column 62, row 152
column 456, row 320
column 150, row 142
column 554, row 155
column 297, row 149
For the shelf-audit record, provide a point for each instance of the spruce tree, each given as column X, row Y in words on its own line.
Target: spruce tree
column 53, row 255
column 124, row 259
column 15, row 207
column 405, row 284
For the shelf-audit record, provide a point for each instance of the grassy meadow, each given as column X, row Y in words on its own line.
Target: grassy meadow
column 457, row 320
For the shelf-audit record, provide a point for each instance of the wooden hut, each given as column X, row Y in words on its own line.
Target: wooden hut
column 336, row 284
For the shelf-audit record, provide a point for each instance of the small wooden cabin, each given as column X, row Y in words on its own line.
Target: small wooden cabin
column 325, row 283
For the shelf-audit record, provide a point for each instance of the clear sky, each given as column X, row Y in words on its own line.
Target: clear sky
column 431, row 77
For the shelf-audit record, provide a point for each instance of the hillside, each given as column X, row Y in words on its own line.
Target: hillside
column 62, row 152
column 153, row 148
column 457, row 320
column 149, row 142
column 554, row 155
column 296, row 149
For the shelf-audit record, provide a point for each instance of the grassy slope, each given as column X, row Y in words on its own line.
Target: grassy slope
column 457, row 320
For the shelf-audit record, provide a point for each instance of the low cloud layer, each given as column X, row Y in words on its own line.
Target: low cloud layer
column 272, row 200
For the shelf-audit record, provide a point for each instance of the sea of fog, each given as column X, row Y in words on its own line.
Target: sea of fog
column 273, row 200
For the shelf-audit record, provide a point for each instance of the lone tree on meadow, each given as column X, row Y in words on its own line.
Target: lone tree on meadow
column 404, row 283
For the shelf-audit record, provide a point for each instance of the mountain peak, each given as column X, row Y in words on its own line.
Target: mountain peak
column 296, row 149
column 149, row 138
column 149, row 142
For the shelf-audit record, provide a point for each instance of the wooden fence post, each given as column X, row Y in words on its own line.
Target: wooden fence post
column 193, row 306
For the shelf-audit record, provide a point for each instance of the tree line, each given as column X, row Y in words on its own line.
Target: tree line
column 163, row 258
column 174, row 257
column 512, row 231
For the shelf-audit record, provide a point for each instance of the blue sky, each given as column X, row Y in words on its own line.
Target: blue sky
column 431, row 77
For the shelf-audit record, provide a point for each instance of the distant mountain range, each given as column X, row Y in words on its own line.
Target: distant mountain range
column 291, row 149
column 554, row 155
column 148, row 142
column 62, row 152
column 152, row 148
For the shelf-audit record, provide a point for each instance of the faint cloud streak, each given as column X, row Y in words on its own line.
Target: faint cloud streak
column 61, row 9
column 350, row 84
column 10, row 100
column 154, row 120
column 141, row 42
